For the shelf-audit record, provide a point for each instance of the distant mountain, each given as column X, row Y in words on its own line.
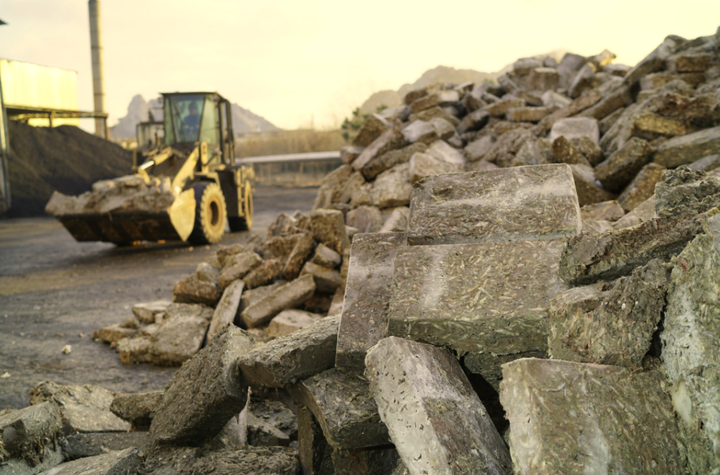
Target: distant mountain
column 439, row 74
column 244, row 121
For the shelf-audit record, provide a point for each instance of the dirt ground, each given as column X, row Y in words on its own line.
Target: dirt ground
column 55, row 292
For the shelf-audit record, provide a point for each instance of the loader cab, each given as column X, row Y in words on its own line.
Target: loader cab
column 199, row 117
column 150, row 134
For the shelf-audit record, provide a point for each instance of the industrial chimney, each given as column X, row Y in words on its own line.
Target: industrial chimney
column 97, row 67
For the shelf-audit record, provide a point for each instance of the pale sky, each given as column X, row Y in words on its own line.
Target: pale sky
column 294, row 62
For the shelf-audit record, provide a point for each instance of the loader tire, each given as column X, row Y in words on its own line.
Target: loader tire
column 210, row 214
column 245, row 223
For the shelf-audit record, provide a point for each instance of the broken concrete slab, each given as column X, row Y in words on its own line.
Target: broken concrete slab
column 262, row 434
column 397, row 222
column 326, row 257
column 593, row 405
column 619, row 169
column 419, row 131
column 314, row 451
column 423, row 165
column 249, row 297
column 543, row 79
column 443, row 151
column 194, row 290
column 284, row 297
column 292, row 357
column 390, row 140
column 227, row 309
column 291, row 320
column 367, row 295
column 248, row 460
column 575, row 127
column 611, row 102
column 345, row 408
column 527, row 114
column 179, row 338
column 388, row 160
column 641, row 187
column 328, row 227
column 332, row 182
column 706, row 164
column 504, row 311
column 208, row 273
column 607, row 210
column 689, row 342
column 373, row 128
column 186, row 415
column 350, row 153
column 137, row 409
column 111, row 463
column 688, row 148
column 432, row 414
column 78, row 445
column 83, row 408
column 473, row 121
column 25, row 432
column 588, row 188
column 566, row 152
column 477, row 149
column 113, row 333
column 238, row 267
column 537, row 202
column 327, row 280
column 147, row 312
column 134, row 350
column 611, row 324
column 299, row 255
column 367, row 219
column 391, row 188
column 263, row 274
column 498, row 109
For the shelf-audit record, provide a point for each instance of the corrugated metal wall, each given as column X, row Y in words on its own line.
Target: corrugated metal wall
column 32, row 85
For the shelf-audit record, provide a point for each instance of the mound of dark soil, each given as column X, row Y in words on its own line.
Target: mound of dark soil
column 65, row 158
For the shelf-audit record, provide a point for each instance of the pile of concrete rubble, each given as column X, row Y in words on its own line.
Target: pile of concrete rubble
column 493, row 326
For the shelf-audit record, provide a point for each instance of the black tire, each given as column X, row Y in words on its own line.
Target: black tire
column 245, row 223
column 210, row 214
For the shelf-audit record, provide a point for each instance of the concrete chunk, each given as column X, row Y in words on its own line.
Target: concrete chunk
column 146, row 312
column 263, row 274
column 610, row 324
column 328, row 227
column 487, row 298
column 690, row 356
column 191, row 416
column 423, row 165
column 83, row 408
column 345, row 408
column 350, row 153
column 284, row 297
column 527, row 114
column 565, row 152
column 26, row 431
column 314, row 451
column 397, row 222
column 289, row 321
column 248, row 460
column 433, row 416
column 178, row 339
column 194, row 290
column 588, row 189
column 535, row 202
column 499, row 108
column 326, row 257
column 227, row 309
column 622, row 166
column 137, row 409
column 373, row 128
column 576, row 418
column 688, row 148
column 327, row 280
column 388, row 160
column 443, row 151
column 389, row 140
column 238, row 267
column 607, row 210
column 478, row 148
column 367, row 295
column 641, row 187
column 113, row 333
column 292, row 357
column 299, row 255
column 330, row 184
column 543, row 79
column 134, row 350
column 366, row 219
column 419, row 131
column 391, row 188
column 112, row 463
column 575, row 127
column 78, row 445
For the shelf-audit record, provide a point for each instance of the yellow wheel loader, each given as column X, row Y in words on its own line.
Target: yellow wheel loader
column 185, row 186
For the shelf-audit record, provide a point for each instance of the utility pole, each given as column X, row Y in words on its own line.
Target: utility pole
column 96, row 49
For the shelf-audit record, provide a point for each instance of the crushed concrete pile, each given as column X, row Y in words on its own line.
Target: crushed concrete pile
column 268, row 287
column 618, row 127
column 64, row 159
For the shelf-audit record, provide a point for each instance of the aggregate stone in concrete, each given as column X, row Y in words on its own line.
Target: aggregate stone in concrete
column 576, row 418
column 292, row 357
column 611, row 324
column 521, row 203
column 204, row 393
column 111, row 463
column 622, row 166
column 367, row 295
column 284, row 297
column 227, row 308
column 194, row 290
column 137, row 409
column 83, row 408
column 328, row 227
column 433, row 415
column 26, row 431
column 690, row 342
column 263, row 274
column 345, row 408
column 490, row 298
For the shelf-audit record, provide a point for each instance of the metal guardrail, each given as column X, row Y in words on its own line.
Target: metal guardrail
column 293, row 169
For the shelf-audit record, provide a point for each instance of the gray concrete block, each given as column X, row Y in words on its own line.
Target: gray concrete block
column 328, row 227
column 112, row 463
column 345, row 408
column 576, row 418
column 326, row 257
column 78, row 445
column 284, row 297
column 622, row 166
column 536, row 202
column 299, row 254
column 367, row 295
column 26, row 431
column 191, row 416
column 137, row 409
column 227, row 308
column 433, row 416
column 292, row 357
column 688, row 148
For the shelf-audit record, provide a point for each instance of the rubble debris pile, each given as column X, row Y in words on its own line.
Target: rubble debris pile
column 511, row 278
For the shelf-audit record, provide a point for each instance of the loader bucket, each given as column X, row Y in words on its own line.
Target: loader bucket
column 122, row 227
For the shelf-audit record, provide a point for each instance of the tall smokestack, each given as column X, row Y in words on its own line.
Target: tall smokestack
column 97, row 67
